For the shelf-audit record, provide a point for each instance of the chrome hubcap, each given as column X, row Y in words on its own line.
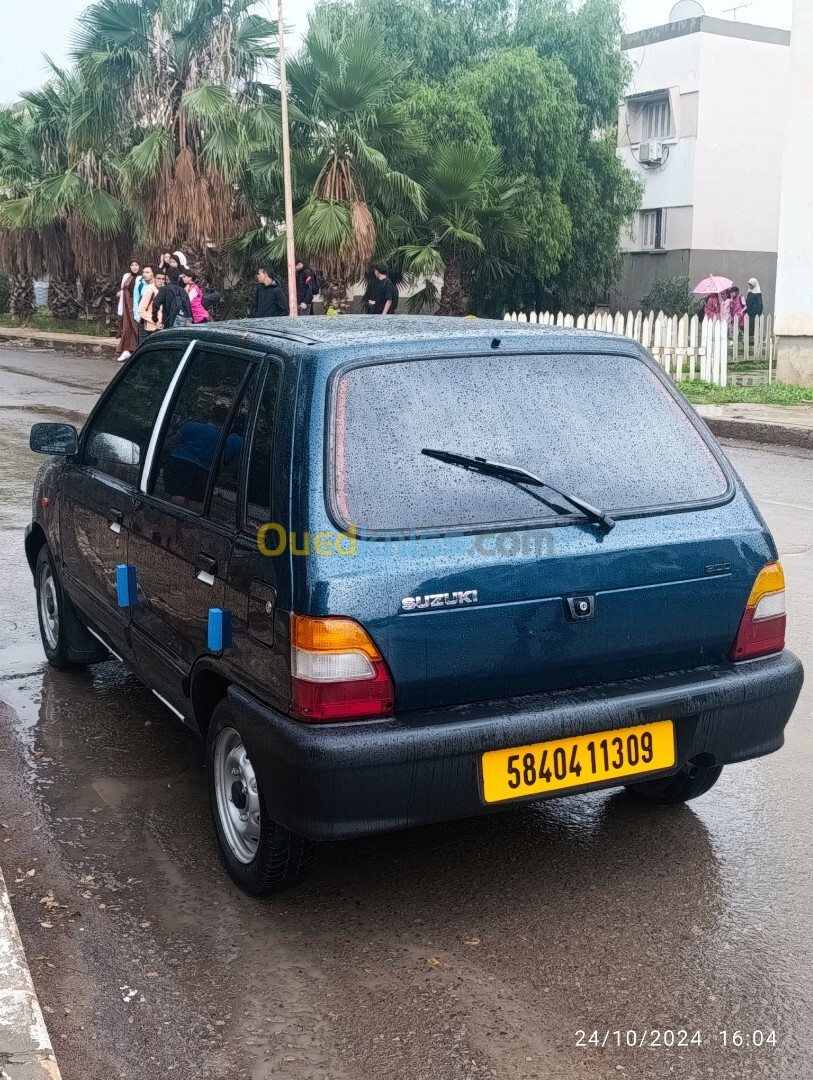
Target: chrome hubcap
column 49, row 607
column 238, row 801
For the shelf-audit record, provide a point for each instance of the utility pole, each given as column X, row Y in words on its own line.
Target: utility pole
column 293, row 307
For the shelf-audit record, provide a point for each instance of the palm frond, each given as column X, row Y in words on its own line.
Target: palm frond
column 425, row 299
column 148, row 158
column 103, row 213
column 207, row 103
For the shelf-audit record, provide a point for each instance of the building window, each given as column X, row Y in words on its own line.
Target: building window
column 657, row 119
column 653, row 230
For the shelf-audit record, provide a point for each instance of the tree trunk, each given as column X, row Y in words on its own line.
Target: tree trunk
column 335, row 295
column 101, row 301
column 63, row 299
column 21, row 300
column 453, row 297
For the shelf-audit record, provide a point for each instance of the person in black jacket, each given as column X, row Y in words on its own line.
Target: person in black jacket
column 754, row 305
column 305, row 288
column 270, row 300
column 383, row 300
column 171, row 306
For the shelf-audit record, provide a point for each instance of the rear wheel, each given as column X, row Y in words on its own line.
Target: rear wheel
column 688, row 784
column 51, row 612
column 260, row 855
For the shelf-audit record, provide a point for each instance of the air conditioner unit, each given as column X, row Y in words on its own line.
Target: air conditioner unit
column 651, row 153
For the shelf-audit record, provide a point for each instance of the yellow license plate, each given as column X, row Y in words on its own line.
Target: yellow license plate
column 576, row 762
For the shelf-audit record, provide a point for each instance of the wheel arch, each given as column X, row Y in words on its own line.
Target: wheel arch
column 34, row 540
column 208, row 687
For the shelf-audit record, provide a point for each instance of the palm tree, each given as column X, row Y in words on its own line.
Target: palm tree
column 20, row 245
column 48, row 109
column 353, row 92
column 73, row 200
column 471, row 226
column 183, row 80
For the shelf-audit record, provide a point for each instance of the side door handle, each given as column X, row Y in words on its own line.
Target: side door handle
column 206, row 568
column 114, row 519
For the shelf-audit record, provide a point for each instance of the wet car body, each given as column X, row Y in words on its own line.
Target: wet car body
column 475, row 644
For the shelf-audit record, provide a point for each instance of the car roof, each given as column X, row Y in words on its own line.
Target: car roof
column 341, row 337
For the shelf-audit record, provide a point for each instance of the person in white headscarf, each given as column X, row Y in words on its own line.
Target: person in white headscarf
column 754, row 304
column 182, row 260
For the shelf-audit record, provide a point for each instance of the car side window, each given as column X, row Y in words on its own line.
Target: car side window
column 192, row 437
column 116, row 439
column 223, row 504
column 258, row 488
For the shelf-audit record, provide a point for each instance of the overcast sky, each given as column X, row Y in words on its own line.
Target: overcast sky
column 47, row 27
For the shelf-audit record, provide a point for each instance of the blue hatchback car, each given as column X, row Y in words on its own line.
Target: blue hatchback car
column 404, row 570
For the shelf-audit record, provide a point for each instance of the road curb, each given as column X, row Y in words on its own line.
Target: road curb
column 83, row 344
column 25, row 1045
column 755, row 431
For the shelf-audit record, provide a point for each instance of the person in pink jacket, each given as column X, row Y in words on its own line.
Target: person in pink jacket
column 195, row 294
column 737, row 309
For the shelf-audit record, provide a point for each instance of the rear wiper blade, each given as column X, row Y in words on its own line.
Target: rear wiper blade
column 515, row 474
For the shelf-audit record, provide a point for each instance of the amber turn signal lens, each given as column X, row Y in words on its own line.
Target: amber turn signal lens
column 334, row 634
column 771, row 579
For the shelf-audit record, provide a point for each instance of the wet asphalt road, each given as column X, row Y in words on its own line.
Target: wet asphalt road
column 467, row 950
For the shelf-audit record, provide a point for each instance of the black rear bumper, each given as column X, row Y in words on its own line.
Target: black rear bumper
column 329, row 781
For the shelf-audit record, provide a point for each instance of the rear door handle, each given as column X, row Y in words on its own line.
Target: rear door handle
column 206, row 568
column 114, row 519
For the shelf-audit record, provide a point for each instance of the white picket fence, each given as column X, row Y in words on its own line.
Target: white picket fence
column 685, row 348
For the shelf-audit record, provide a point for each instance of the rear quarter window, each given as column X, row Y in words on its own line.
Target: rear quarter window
column 602, row 427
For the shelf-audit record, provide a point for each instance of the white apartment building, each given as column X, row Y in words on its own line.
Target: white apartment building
column 703, row 125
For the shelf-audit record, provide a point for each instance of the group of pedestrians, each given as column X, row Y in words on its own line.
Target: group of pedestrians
column 169, row 294
column 271, row 300
column 152, row 298
column 734, row 309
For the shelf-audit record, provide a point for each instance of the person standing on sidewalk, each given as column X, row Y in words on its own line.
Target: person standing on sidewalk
column 171, row 306
column 305, row 288
column 384, row 300
column 754, row 305
column 270, row 301
column 147, row 320
column 737, row 312
column 195, row 294
column 141, row 283
column 129, row 327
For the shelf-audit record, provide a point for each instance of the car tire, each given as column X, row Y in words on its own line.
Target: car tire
column 51, row 603
column 260, row 855
column 680, row 788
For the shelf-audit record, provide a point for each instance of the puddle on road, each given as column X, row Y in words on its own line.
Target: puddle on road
column 589, row 910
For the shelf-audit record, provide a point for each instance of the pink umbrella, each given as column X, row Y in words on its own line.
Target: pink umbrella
column 713, row 284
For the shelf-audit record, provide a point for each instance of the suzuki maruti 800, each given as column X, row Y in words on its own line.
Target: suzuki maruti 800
column 398, row 571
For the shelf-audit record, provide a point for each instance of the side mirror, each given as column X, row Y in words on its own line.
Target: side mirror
column 54, row 439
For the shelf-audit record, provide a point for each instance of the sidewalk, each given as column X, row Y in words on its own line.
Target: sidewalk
column 785, row 425
column 25, row 1046
column 45, row 339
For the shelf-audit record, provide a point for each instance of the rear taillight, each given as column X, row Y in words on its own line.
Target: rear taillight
column 337, row 673
column 762, row 629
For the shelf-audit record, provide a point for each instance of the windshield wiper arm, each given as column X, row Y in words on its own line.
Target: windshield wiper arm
column 515, row 474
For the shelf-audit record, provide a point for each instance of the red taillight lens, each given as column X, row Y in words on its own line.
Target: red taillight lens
column 762, row 630
column 337, row 673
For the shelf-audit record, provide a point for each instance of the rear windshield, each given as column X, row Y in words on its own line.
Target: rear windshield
column 603, row 428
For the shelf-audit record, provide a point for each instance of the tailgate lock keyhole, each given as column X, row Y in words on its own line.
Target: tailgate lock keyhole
column 580, row 608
